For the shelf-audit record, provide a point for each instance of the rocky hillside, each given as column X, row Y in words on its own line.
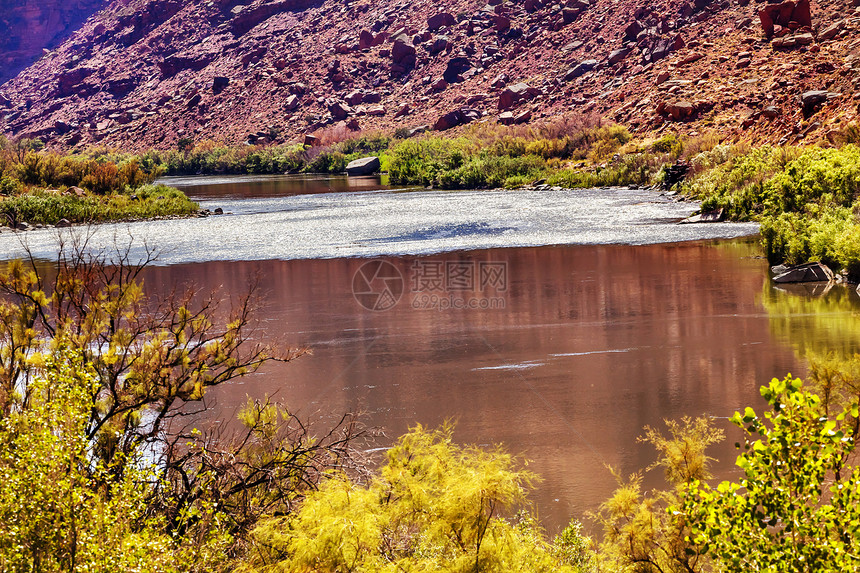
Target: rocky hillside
column 149, row 73
column 27, row 27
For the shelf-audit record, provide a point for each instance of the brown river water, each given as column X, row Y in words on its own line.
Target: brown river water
column 562, row 354
column 585, row 347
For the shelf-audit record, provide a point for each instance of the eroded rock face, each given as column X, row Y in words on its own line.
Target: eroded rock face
column 26, row 27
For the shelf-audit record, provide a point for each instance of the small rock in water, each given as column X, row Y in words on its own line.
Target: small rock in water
column 62, row 223
column 219, row 211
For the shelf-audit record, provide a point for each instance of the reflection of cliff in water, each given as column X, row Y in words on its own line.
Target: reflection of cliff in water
column 592, row 344
column 815, row 317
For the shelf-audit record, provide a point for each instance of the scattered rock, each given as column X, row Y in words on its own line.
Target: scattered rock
column 580, row 69
column 812, row 101
column 219, row 84
column 515, row 94
column 440, row 20
column 457, row 117
column 63, row 223
column 785, row 15
column 339, row 110
column 619, row 55
column 363, row 166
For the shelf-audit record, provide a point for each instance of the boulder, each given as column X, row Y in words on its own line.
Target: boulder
column 63, row 223
column 500, row 81
column 363, row 166
column 580, row 69
column 440, row 20
column 365, row 39
column 457, row 117
column 809, row 272
column 770, row 112
column 665, row 47
column 172, row 65
column 632, row 30
column 793, row 41
column 403, row 53
column 416, row 130
column 675, row 174
column 502, row 23
column 404, row 109
column 311, row 140
column 680, row 110
column 515, row 94
column 439, row 45
column 68, row 82
column 812, row 100
column 785, row 15
column 339, row 110
column 619, row 55
column 523, row 117
column 831, row 31
column 292, row 102
column 447, row 121
column 456, row 67
column 219, row 84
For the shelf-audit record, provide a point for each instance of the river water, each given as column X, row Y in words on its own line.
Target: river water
column 557, row 323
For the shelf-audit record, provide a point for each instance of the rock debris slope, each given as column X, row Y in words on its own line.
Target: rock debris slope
column 149, row 73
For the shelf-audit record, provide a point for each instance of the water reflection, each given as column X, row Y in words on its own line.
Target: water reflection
column 815, row 318
column 585, row 346
column 258, row 186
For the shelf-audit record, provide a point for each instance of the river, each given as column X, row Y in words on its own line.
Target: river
column 557, row 323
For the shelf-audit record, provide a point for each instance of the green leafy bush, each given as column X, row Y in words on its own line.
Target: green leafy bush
column 797, row 508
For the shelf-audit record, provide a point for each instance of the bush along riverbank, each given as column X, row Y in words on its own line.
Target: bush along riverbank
column 42, row 188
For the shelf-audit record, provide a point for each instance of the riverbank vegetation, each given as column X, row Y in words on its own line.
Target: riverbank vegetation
column 39, row 187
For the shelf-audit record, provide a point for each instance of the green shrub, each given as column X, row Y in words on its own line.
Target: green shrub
column 491, row 171
column 797, row 506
